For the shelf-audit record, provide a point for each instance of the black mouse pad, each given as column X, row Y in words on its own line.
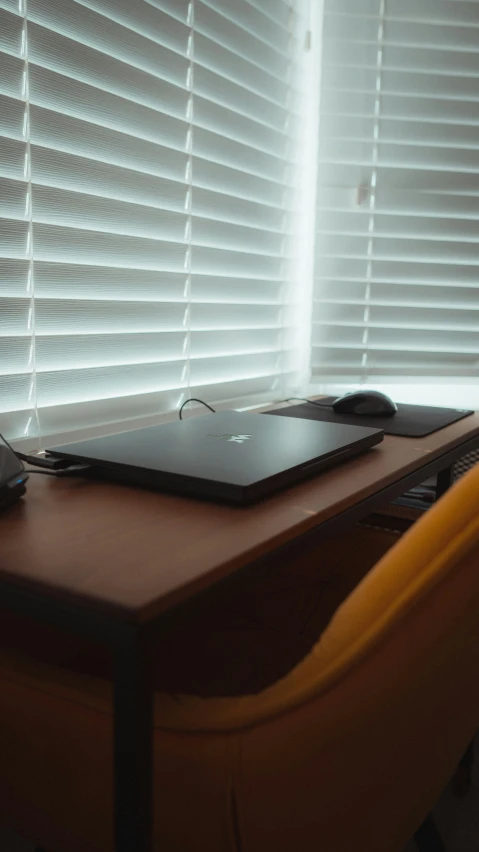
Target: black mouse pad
column 410, row 421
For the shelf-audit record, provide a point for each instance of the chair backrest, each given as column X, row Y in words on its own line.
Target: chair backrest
column 437, row 553
column 375, row 720
column 465, row 463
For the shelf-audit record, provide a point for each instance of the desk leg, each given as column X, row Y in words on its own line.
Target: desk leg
column 444, row 481
column 133, row 744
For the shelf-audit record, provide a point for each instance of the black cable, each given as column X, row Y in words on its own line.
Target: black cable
column 48, row 462
column 52, row 464
column 58, row 467
column 19, row 455
column 194, row 399
column 311, row 401
column 64, row 472
column 44, row 473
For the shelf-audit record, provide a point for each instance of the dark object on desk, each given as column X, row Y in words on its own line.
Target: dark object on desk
column 410, row 421
column 229, row 456
column 13, row 476
column 366, row 403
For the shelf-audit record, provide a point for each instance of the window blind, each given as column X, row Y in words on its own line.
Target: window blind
column 397, row 251
column 146, row 204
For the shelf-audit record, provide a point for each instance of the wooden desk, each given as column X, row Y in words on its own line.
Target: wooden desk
column 108, row 561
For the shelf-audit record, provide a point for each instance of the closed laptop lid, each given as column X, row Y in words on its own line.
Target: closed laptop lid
column 239, row 448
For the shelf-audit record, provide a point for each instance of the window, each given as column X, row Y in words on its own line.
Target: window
column 147, row 205
column 397, row 248
column 158, row 194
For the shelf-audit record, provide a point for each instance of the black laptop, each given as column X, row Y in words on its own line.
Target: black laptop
column 228, row 456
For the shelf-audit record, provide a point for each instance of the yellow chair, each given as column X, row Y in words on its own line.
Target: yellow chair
column 346, row 752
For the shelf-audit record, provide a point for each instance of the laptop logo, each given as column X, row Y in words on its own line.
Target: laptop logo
column 236, row 439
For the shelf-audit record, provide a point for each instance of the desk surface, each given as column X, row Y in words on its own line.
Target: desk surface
column 135, row 553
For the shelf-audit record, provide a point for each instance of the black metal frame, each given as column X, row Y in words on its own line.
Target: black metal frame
column 445, row 478
column 131, row 645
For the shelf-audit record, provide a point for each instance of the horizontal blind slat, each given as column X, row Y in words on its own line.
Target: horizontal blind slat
column 176, row 8
column 278, row 10
column 103, row 383
column 78, row 352
column 227, row 34
column 223, row 261
column 231, row 289
column 87, row 65
column 13, row 238
column 414, row 133
column 95, row 351
column 57, row 132
column 151, row 20
column 410, row 227
column 396, row 82
column 390, row 201
column 238, row 155
column 397, row 295
column 53, row 242
column 222, row 235
column 12, row 77
column 12, row 164
column 206, row 317
column 234, row 368
column 254, row 20
column 213, row 56
column 12, row 199
column 228, row 208
column 74, row 316
column 13, row 276
column 162, row 52
column 355, row 175
column 76, row 417
column 364, row 29
column 56, row 206
column 12, row 119
column 404, row 318
column 393, row 339
column 230, row 181
column 403, row 107
column 456, row 13
column 444, row 63
column 233, row 125
column 216, row 88
column 61, row 94
column 89, row 282
column 66, row 171
column 11, row 33
column 12, row 6
column 386, row 248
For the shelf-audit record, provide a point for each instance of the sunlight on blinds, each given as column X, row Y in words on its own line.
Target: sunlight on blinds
column 147, row 195
column 397, row 253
